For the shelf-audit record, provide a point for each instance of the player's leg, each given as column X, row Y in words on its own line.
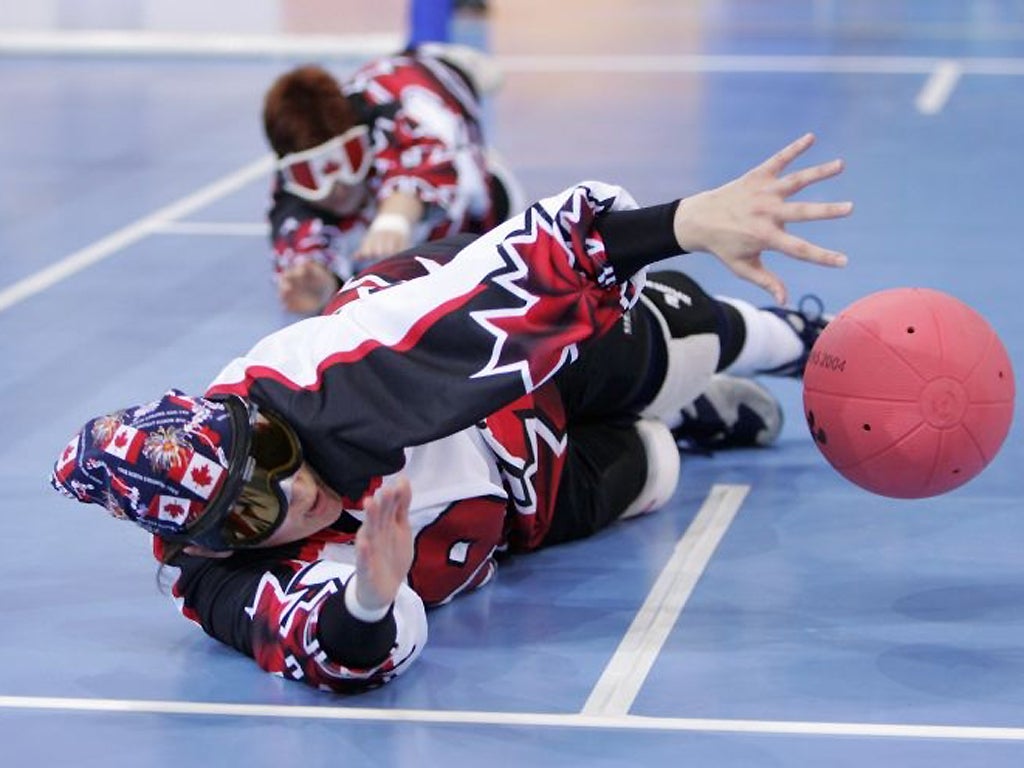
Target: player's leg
column 613, row 470
column 660, row 362
column 702, row 337
column 776, row 340
column 697, row 336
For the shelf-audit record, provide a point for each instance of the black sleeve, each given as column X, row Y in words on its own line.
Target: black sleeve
column 216, row 592
column 351, row 641
column 636, row 238
column 300, row 231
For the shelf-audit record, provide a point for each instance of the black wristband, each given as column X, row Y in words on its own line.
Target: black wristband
column 350, row 642
column 633, row 239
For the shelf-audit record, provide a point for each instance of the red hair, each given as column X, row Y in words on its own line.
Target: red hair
column 304, row 108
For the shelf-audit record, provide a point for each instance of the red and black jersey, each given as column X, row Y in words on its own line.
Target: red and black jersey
column 402, row 364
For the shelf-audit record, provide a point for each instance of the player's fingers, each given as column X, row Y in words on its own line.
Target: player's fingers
column 402, row 491
column 371, row 515
column 801, row 249
column 755, row 272
column 792, row 183
column 402, row 495
column 777, row 162
column 386, row 502
column 364, row 549
column 790, row 212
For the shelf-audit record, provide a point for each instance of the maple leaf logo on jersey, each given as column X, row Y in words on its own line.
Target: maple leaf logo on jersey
column 521, row 440
column 550, row 264
column 284, row 637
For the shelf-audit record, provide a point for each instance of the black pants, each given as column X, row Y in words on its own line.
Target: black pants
column 604, row 392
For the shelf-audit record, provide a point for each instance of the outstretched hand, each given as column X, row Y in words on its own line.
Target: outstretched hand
column 739, row 220
column 306, row 287
column 384, row 546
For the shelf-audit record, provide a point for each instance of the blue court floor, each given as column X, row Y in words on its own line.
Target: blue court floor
column 772, row 614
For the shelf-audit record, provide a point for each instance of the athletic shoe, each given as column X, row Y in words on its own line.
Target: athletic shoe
column 733, row 412
column 808, row 320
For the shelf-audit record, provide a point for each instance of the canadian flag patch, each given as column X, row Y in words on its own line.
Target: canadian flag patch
column 126, row 443
column 172, row 509
column 200, row 475
column 67, row 461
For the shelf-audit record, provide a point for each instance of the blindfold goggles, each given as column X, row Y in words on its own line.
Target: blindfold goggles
column 254, row 501
column 312, row 173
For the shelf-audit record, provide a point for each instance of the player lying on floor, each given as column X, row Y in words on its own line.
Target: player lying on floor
column 390, row 156
column 512, row 391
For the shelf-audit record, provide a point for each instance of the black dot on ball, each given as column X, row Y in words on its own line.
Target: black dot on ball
column 866, row 427
column 910, row 329
column 956, row 471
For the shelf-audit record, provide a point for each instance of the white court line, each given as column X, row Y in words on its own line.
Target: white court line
column 154, row 43
column 943, row 71
column 532, row 719
column 938, row 87
column 627, row 670
column 132, row 233
column 681, row 573
column 885, row 65
column 865, row 65
column 144, row 43
column 228, row 228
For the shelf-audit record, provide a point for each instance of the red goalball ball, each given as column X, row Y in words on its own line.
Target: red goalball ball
column 908, row 393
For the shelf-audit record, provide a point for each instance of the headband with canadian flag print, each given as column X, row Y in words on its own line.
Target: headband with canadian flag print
column 160, row 465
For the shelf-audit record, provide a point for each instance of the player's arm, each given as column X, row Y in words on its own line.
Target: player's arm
column 427, row 164
column 305, row 254
column 323, row 623
column 357, row 628
column 391, row 229
column 736, row 221
column 501, row 317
